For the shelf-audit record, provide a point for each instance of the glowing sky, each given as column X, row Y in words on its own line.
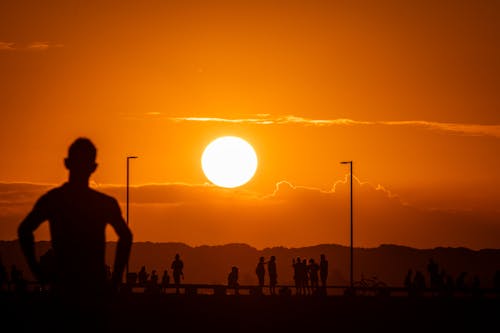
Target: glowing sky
column 406, row 89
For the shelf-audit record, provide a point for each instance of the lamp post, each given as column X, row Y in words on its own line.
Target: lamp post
column 351, row 278
column 128, row 178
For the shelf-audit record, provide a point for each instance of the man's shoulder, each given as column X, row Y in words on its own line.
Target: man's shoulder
column 64, row 190
column 101, row 195
column 54, row 192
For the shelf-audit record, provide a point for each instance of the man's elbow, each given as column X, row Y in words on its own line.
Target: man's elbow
column 24, row 232
column 126, row 236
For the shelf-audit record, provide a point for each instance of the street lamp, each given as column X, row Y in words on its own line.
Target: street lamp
column 128, row 168
column 351, row 247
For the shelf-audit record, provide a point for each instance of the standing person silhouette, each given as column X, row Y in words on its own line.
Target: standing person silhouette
column 260, row 270
column 165, row 280
column 297, row 275
column 77, row 217
column 177, row 267
column 323, row 271
column 273, row 275
column 232, row 280
column 313, row 269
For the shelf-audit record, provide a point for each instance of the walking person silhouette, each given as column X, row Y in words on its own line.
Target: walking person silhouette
column 77, row 217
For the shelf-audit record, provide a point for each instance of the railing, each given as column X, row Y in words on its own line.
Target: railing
column 281, row 290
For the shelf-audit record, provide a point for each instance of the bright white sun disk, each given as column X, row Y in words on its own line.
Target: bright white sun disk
column 229, row 161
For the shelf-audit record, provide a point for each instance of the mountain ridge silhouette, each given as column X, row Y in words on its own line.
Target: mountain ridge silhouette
column 212, row 263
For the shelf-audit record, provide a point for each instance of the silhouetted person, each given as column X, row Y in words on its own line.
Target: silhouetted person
column 143, row 276
column 273, row 275
column 232, row 280
column 295, row 280
column 77, row 217
column 260, row 270
column 323, row 270
column 313, row 269
column 460, row 282
column 305, row 277
column 165, row 281
column 476, row 286
column 419, row 283
column 152, row 284
column 408, row 282
column 296, row 273
column 433, row 269
column 177, row 270
column 154, row 277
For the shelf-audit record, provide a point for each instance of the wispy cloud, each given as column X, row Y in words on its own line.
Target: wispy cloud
column 7, row 46
column 266, row 119
column 466, row 129
column 33, row 46
column 41, row 46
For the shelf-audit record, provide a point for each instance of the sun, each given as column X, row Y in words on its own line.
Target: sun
column 229, row 161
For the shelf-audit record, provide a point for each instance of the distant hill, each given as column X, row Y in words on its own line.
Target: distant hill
column 211, row 264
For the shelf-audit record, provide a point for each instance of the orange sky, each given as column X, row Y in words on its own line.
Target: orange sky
column 408, row 90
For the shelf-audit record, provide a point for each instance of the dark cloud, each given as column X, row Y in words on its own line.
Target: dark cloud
column 290, row 216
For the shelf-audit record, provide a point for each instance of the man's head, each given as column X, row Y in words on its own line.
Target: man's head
column 81, row 157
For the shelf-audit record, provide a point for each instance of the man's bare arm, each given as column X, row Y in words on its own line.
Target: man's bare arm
column 27, row 239
column 122, row 248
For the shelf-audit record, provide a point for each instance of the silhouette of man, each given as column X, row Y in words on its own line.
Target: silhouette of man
column 143, row 276
column 433, row 269
column 273, row 275
column 165, row 280
column 77, row 217
column 323, row 270
column 260, row 271
column 232, row 280
column 177, row 267
column 297, row 275
column 313, row 269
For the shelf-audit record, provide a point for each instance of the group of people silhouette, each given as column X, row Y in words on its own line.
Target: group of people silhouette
column 303, row 273
column 151, row 282
column 443, row 283
column 308, row 274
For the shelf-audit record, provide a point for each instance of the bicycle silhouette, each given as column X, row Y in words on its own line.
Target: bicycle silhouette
column 371, row 287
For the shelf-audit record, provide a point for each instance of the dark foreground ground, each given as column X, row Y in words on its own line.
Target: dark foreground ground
column 144, row 313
